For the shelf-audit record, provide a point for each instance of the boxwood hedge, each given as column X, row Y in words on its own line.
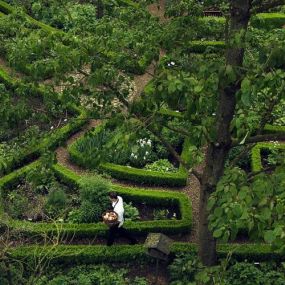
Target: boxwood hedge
column 137, row 175
column 78, row 254
column 151, row 197
column 56, row 138
column 256, row 160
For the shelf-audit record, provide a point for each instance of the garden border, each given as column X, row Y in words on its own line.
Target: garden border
column 55, row 139
column 6, row 9
column 68, row 177
column 256, row 163
column 137, row 175
column 86, row 254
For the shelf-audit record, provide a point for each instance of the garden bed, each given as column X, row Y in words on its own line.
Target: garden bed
column 157, row 166
column 157, row 199
column 33, row 120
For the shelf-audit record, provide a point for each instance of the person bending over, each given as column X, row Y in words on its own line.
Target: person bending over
column 118, row 229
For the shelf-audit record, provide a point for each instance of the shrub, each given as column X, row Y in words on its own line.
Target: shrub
column 184, row 268
column 17, row 203
column 131, row 212
column 94, row 197
column 162, row 165
column 244, row 273
column 56, row 202
column 91, row 274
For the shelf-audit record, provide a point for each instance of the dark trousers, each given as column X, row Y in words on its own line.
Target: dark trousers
column 115, row 231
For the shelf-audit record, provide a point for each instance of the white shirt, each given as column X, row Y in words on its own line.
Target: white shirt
column 118, row 207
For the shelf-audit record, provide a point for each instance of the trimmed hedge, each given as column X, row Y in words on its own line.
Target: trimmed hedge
column 8, row 9
column 152, row 197
column 274, row 129
column 137, row 175
column 256, row 161
column 80, row 254
column 143, row 176
column 202, row 46
column 268, row 21
column 51, row 142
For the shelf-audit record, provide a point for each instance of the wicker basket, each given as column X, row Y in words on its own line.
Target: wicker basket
column 113, row 221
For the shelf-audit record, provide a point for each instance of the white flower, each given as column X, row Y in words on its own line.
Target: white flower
column 168, row 64
column 172, row 63
column 52, row 127
column 144, row 158
column 30, row 219
column 146, row 153
column 65, row 120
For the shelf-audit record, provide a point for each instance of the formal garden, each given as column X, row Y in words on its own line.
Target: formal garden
column 176, row 106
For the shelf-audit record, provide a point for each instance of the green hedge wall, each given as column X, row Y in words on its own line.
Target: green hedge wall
column 274, row 129
column 137, row 175
column 268, row 21
column 78, row 254
column 8, row 9
column 256, row 163
column 56, row 138
column 152, row 197
column 202, row 46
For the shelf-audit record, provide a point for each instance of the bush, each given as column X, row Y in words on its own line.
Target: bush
column 162, row 165
column 244, row 273
column 94, row 198
column 131, row 212
column 17, row 204
column 56, row 202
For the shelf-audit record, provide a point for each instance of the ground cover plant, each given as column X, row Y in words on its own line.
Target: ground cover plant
column 186, row 269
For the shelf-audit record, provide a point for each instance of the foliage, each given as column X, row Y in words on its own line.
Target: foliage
column 91, row 274
column 257, row 206
column 94, row 198
column 162, row 165
column 16, row 204
column 162, row 214
column 187, row 269
column 56, row 202
column 131, row 212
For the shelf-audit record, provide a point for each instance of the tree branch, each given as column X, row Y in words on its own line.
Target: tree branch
column 261, row 138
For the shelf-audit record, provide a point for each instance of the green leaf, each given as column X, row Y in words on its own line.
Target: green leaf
column 269, row 236
column 218, row 233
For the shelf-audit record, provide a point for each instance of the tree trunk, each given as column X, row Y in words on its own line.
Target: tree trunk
column 218, row 151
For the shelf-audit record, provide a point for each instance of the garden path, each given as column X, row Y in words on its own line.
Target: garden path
column 193, row 186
